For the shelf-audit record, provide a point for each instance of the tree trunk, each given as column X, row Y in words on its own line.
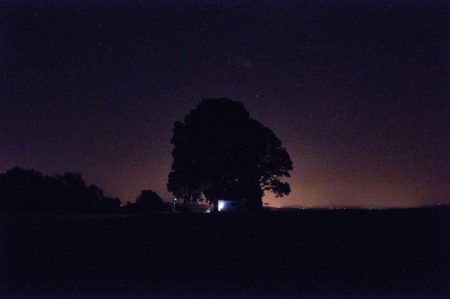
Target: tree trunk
column 211, row 197
column 216, row 205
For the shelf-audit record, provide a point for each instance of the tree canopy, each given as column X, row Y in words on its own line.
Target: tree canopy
column 220, row 152
column 147, row 202
column 24, row 191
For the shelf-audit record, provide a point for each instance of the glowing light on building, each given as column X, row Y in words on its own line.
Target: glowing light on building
column 221, row 205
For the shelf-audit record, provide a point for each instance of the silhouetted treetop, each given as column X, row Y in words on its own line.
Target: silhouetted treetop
column 220, row 152
column 28, row 191
column 147, row 202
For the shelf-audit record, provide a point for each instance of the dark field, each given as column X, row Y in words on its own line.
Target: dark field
column 316, row 253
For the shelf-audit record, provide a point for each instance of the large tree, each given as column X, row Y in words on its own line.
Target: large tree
column 220, row 152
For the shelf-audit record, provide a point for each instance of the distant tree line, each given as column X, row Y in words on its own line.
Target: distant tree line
column 24, row 191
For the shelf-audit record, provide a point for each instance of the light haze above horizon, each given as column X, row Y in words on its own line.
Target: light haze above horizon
column 358, row 92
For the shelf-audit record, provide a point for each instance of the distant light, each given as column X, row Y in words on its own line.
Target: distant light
column 221, row 205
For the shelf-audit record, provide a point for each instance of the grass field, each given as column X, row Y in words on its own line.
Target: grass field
column 309, row 253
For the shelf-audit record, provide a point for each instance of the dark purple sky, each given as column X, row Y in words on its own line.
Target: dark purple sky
column 358, row 92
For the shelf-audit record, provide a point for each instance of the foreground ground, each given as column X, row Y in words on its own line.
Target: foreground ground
column 345, row 254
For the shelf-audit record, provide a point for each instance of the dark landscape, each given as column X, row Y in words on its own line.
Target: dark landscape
column 305, row 253
column 224, row 149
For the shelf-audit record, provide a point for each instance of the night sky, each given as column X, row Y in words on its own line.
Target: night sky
column 358, row 92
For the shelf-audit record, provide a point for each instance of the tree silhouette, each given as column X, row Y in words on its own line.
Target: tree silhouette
column 149, row 201
column 23, row 191
column 28, row 191
column 220, row 152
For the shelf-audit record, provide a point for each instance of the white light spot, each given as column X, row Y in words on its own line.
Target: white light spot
column 221, row 205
